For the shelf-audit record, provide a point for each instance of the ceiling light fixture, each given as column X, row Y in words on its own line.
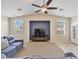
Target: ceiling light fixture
column 61, row 9
column 44, row 9
column 19, row 9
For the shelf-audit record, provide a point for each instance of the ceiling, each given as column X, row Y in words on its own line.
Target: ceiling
column 9, row 7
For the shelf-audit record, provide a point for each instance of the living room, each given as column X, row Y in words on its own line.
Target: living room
column 37, row 33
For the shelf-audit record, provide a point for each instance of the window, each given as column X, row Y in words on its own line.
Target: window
column 61, row 27
column 18, row 24
column 75, row 32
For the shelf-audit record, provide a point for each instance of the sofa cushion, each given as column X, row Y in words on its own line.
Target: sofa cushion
column 3, row 56
column 18, row 44
column 4, row 43
column 11, row 41
column 10, row 51
column 4, row 37
column 10, row 37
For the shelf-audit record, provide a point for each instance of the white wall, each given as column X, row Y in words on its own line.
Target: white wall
column 4, row 26
column 38, row 17
column 74, row 22
column 66, row 36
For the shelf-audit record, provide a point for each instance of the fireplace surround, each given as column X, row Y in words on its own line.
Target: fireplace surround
column 39, row 30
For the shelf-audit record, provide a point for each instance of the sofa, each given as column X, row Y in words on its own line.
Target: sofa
column 68, row 55
column 10, row 46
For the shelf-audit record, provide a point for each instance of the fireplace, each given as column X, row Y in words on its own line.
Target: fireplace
column 39, row 30
column 39, row 35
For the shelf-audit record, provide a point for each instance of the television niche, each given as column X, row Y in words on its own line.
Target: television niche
column 39, row 32
column 39, row 35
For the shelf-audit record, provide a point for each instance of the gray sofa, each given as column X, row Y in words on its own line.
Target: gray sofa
column 68, row 55
column 14, row 46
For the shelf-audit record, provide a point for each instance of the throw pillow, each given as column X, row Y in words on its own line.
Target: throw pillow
column 4, row 43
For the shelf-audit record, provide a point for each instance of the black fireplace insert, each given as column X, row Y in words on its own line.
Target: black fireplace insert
column 40, row 32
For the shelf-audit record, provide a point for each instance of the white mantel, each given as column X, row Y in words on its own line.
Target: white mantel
column 51, row 26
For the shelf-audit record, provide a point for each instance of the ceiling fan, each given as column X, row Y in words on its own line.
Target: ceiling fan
column 44, row 7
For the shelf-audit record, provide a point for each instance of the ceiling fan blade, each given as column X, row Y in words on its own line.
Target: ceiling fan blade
column 52, row 8
column 48, row 2
column 46, row 12
column 36, row 5
column 38, row 10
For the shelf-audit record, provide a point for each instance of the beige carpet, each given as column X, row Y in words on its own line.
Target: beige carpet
column 40, row 48
column 68, row 47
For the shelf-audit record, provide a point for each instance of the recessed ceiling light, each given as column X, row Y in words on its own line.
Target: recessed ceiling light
column 19, row 9
column 61, row 9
